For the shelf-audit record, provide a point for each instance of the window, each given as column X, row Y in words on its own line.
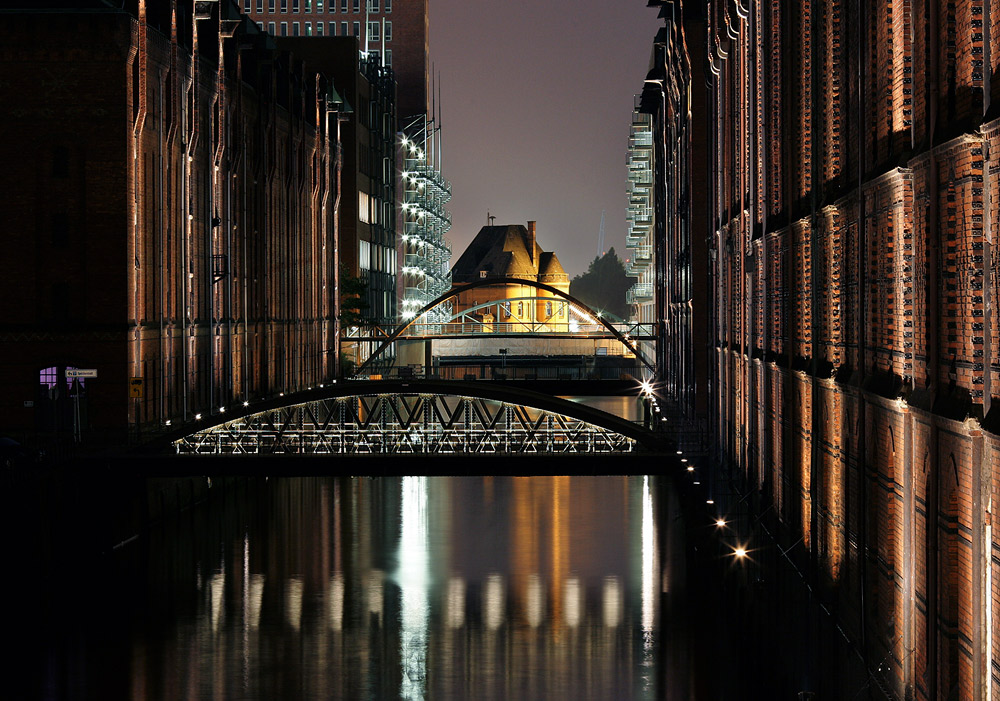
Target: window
column 343, row 5
column 388, row 31
column 505, row 306
column 343, row 29
column 388, row 57
column 270, row 28
column 363, row 208
column 388, row 6
column 260, row 25
column 520, row 309
column 319, row 28
column 333, row 29
column 308, row 6
column 548, row 309
column 562, row 310
column 373, row 33
column 295, row 5
column 247, row 7
column 284, row 5
column 270, row 5
column 319, row 5
column 373, row 5
column 284, row 29
column 482, row 276
column 309, row 28
column 357, row 29
column 364, row 255
column 295, row 29
column 260, row 6
column 357, row 5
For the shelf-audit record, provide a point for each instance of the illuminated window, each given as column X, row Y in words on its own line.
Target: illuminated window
column 364, row 203
column 520, row 309
column 388, row 31
column 319, row 28
column 319, row 5
column 309, row 29
column 548, row 309
column 506, row 309
column 364, row 255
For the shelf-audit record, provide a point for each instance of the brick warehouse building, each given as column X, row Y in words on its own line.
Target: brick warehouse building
column 171, row 214
column 855, row 155
column 397, row 30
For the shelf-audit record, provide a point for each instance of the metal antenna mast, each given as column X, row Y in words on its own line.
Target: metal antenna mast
column 600, row 237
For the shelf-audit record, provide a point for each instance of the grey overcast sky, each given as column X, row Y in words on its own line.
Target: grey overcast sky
column 537, row 97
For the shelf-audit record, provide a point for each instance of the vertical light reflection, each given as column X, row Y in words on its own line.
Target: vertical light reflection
column 413, row 578
column 217, row 589
column 612, row 601
column 493, row 601
column 535, row 604
column 649, row 563
column 335, row 602
column 375, row 593
column 256, row 599
column 293, row 603
column 456, row 602
column 573, row 602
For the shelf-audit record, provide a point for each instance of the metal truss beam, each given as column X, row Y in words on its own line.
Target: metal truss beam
column 398, row 423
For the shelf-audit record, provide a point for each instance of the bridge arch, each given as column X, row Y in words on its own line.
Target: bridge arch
column 494, row 280
column 399, row 417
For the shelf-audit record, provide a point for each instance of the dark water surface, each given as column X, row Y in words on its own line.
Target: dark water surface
column 371, row 588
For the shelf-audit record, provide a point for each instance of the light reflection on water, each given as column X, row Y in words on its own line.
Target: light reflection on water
column 415, row 587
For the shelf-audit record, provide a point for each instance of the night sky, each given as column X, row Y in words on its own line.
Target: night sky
column 537, row 98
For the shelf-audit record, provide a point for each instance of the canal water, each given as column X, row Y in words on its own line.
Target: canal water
column 370, row 588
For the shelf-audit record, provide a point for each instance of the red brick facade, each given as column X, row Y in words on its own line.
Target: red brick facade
column 856, row 152
column 173, row 192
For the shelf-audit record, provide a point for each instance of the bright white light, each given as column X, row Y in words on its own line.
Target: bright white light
column 197, row 417
column 649, row 560
column 740, row 552
column 167, row 422
column 335, row 602
column 222, row 410
column 573, row 602
column 246, row 403
column 612, row 602
column 535, row 600
column 690, row 468
column 720, row 523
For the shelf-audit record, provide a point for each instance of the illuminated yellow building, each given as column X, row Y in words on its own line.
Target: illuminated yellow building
column 512, row 251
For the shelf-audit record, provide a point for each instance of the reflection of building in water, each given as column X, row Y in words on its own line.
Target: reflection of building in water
column 540, row 595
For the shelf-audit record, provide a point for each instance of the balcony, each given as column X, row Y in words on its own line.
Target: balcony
column 639, row 293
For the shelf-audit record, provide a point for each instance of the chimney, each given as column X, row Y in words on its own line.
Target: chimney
column 531, row 240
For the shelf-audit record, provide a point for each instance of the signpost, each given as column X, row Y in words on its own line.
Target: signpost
column 135, row 387
column 80, row 372
column 76, row 374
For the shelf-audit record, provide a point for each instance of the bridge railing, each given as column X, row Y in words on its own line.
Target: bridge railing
column 492, row 370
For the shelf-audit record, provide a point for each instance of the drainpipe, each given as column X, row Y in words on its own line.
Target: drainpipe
column 933, row 507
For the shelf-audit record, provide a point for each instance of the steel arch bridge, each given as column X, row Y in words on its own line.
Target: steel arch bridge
column 391, row 417
column 627, row 336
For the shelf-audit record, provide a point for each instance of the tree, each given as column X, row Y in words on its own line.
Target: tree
column 353, row 291
column 604, row 285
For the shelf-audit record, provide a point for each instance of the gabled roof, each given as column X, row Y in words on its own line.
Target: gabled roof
column 500, row 251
